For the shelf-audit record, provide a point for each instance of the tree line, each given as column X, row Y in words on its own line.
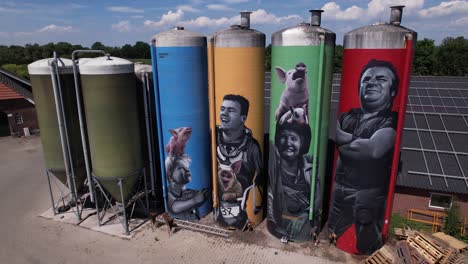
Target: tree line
column 449, row 58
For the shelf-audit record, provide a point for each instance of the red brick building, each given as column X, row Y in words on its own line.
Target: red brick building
column 17, row 111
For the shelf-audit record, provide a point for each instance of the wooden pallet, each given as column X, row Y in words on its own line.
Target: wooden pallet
column 403, row 233
column 457, row 259
column 402, row 250
column 443, row 246
column 385, row 255
column 431, row 252
column 408, row 255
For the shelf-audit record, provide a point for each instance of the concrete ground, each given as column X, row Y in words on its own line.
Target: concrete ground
column 28, row 238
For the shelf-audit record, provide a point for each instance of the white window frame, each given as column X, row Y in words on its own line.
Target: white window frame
column 18, row 118
column 439, row 207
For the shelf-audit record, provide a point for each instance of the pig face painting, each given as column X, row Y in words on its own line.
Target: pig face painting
column 182, row 202
column 176, row 144
column 296, row 91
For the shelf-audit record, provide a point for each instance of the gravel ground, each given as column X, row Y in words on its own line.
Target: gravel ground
column 28, row 238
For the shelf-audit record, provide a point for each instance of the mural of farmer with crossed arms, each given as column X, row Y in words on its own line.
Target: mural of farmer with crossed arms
column 365, row 139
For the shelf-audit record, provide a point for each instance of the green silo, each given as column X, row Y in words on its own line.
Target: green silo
column 41, row 83
column 110, row 105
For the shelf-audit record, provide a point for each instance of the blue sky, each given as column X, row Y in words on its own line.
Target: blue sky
column 120, row 22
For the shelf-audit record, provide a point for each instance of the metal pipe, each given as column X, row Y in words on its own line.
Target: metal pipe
column 212, row 107
column 123, row 206
column 317, row 126
column 81, row 118
column 65, row 131
column 149, row 135
column 58, row 108
column 245, row 19
column 315, row 17
column 159, row 120
column 146, row 191
column 395, row 14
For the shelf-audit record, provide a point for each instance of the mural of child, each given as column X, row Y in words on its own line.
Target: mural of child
column 182, row 203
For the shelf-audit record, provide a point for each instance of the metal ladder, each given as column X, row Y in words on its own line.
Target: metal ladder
column 197, row 227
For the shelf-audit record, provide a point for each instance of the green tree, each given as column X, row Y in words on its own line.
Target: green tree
column 32, row 52
column 127, row 51
column 268, row 58
column 63, row 49
column 452, row 222
column 141, row 50
column 425, row 57
column 337, row 59
column 98, row 46
column 452, row 57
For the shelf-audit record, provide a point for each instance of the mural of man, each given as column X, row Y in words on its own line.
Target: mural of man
column 365, row 139
column 235, row 142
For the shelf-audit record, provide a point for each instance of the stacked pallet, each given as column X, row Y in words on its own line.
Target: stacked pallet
column 417, row 248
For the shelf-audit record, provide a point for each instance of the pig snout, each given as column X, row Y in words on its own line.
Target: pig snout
column 300, row 71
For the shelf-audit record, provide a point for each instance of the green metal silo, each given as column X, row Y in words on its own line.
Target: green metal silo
column 110, row 106
column 42, row 87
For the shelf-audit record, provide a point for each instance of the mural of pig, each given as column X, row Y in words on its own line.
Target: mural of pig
column 296, row 92
column 295, row 115
column 231, row 188
column 176, row 144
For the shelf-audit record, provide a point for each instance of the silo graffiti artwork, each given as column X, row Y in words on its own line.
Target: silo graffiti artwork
column 237, row 77
column 365, row 138
column 299, row 106
column 179, row 59
column 181, row 202
column 374, row 88
column 290, row 163
column 239, row 161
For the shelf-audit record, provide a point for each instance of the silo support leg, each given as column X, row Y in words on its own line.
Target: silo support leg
column 51, row 193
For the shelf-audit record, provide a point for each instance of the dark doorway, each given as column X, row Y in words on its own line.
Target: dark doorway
column 4, row 126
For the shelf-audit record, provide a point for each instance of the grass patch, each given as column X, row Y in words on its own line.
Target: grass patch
column 401, row 222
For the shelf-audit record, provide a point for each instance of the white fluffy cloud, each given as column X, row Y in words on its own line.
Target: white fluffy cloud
column 122, row 26
column 376, row 9
column 263, row 17
column 188, row 8
column 207, row 22
column 218, row 7
column 166, row 19
column 259, row 16
column 461, row 22
column 125, row 9
column 333, row 10
column 445, row 8
column 55, row 28
column 235, row 1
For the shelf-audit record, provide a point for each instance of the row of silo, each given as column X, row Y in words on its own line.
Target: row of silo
column 90, row 128
column 213, row 137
